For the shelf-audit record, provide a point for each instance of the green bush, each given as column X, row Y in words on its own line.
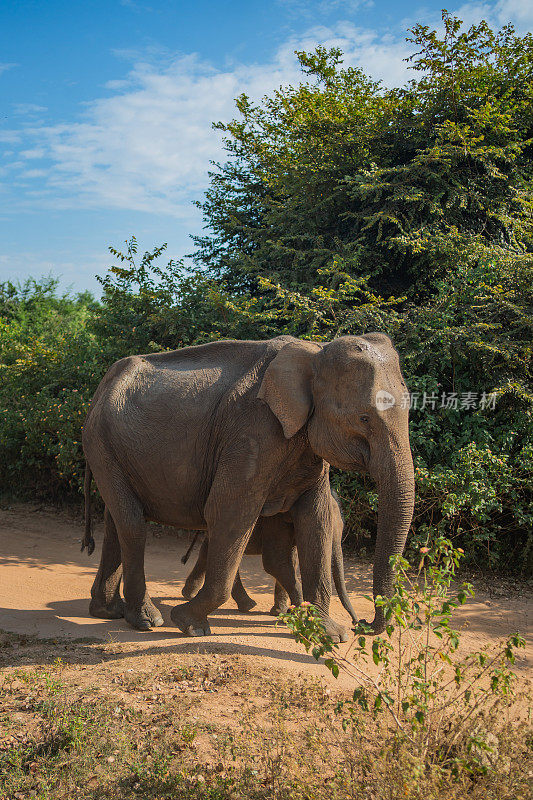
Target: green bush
column 50, row 364
column 433, row 699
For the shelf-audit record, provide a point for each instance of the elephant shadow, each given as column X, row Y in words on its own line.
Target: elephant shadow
column 66, row 626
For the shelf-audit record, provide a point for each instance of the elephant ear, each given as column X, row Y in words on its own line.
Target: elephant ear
column 286, row 385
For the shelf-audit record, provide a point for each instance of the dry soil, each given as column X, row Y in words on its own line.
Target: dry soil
column 46, row 580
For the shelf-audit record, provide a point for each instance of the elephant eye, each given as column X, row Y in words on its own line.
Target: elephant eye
column 364, row 418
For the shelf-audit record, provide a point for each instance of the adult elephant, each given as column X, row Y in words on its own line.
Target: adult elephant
column 215, row 436
column 273, row 539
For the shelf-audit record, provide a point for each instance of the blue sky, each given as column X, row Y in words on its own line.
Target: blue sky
column 106, row 108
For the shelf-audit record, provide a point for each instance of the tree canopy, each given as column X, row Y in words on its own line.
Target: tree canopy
column 341, row 170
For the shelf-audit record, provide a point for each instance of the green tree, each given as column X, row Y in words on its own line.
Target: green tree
column 340, row 169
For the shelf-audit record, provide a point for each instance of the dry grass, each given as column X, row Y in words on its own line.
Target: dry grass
column 89, row 721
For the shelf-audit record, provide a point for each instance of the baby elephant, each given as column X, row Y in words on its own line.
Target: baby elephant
column 273, row 538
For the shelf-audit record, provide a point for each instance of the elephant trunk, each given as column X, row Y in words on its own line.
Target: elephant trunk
column 395, row 479
column 337, row 570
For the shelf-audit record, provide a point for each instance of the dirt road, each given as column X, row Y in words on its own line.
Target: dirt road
column 46, row 580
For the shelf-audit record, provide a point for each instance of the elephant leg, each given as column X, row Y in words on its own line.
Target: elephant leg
column 127, row 514
column 241, row 596
column 196, row 576
column 225, row 550
column 106, row 602
column 313, row 528
column 281, row 600
column 280, row 560
column 230, row 525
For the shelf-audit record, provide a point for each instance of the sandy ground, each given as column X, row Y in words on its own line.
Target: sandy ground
column 45, row 583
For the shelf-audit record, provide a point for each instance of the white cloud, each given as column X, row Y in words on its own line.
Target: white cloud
column 28, row 108
column 35, row 173
column 147, row 146
column 24, row 264
column 322, row 7
column 133, row 6
column 4, row 66
column 497, row 14
column 11, row 137
column 520, row 12
column 35, row 152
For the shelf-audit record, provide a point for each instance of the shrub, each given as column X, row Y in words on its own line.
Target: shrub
column 435, row 701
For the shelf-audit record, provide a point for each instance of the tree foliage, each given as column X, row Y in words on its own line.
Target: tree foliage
column 339, row 169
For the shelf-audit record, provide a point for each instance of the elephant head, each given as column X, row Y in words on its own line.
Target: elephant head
column 351, row 395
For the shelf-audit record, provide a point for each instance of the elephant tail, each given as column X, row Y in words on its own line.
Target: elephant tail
column 337, row 569
column 88, row 540
column 185, row 558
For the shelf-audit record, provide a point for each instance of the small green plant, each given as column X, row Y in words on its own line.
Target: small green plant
column 434, row 696
column 188, row 733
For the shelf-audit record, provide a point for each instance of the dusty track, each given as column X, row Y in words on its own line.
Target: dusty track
column 45, row 583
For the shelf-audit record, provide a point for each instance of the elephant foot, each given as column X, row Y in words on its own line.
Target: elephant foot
column 191, row 589
column 246, row 604
column 145, row 618
column 189, row 623
column 377, row 626
column 112, row 610
column 337, row 632
column 277, row 609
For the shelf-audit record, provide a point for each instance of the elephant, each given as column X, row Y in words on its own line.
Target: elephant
column 215, row 436
column 273, row 539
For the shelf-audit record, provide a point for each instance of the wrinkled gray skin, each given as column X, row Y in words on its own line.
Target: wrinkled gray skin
column 216, row 436
column 273, row 539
